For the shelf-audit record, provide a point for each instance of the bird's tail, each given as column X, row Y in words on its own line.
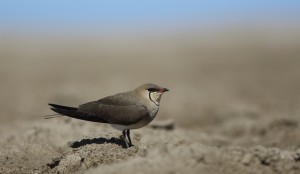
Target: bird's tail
column 61, row 111
column 52, row 116
column 63, row 107
column 72, row 112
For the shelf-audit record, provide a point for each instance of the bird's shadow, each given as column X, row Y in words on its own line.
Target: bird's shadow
column 100, row 140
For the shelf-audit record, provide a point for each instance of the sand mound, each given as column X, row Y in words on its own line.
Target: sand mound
column 40, row 148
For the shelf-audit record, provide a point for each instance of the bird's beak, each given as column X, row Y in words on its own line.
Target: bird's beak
column 165, row 90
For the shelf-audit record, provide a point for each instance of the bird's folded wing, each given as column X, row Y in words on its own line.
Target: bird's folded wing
column 115, row 114
column 121, row 99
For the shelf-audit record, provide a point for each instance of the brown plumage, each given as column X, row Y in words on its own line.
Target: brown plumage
column 124, row 111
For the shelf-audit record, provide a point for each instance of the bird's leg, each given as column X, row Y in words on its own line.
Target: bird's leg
column 124, row 138
column 128, row 136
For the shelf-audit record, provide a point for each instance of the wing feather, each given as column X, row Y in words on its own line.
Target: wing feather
column 121, row 108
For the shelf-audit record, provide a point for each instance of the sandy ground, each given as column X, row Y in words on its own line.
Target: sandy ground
column 234, row 103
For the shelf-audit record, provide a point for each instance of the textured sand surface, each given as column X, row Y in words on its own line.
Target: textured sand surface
column 42, row 147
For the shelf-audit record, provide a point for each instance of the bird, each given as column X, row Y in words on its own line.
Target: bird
column 123, row 111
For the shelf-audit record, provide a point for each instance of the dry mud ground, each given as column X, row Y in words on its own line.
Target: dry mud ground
column 234, row 101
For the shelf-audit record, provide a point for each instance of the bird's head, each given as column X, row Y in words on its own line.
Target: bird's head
column 151, row 92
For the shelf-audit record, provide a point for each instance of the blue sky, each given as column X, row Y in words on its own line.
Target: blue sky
column 47, row 14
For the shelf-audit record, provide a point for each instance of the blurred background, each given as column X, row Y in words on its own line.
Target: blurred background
column 221, row 60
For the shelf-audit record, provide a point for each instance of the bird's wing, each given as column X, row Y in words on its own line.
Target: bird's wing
column 74, row 113
column 115, row 114
column 121, row 99
column 117, row 109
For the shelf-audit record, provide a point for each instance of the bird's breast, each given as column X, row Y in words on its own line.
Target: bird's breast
column 153, row 111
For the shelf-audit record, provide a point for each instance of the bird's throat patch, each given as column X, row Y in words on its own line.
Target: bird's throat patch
column 156, row 103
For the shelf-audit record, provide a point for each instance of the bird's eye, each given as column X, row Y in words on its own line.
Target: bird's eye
column 151, row 89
